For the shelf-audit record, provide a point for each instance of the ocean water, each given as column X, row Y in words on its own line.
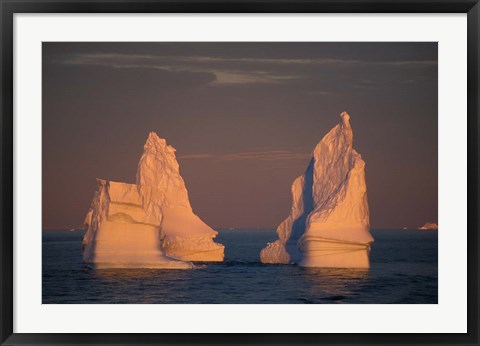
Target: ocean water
column 403, row 271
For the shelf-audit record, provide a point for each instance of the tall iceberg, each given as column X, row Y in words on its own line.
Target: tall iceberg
column 328, row 225
column 149, row 224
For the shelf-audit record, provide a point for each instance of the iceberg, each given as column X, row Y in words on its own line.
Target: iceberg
column 149, row 224
column 329, row 223
column 429, row 226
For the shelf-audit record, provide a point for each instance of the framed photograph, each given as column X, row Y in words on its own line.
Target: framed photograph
column 239, row 172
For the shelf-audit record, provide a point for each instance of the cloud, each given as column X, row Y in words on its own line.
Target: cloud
column 103, row 58
column 314, row 61
column 204, row 59
column 249, row 77
column 269, row 155
column 226, row 70
column 223, row 76
column 410, row 63
column 321, row 92
column 146, row 60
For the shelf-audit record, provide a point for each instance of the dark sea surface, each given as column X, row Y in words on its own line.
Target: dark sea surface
column 403, row 271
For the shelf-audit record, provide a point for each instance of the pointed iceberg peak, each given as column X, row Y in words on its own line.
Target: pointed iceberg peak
column 158, row 166
column 153, row 139
column 158, row 169
column 345, row 118
column 155, row 143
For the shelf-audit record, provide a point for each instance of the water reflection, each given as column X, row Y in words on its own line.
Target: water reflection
column 131, row 273
column 333, row 283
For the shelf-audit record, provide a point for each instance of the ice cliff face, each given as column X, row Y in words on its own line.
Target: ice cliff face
column 328, row 225
column 141, row 224
column 158, row 168
column 119, row 232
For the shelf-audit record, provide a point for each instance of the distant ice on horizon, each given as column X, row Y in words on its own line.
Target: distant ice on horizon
column 429, row 226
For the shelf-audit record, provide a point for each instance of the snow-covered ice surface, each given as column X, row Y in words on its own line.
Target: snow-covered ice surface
column 328, row 225
column 149, row 224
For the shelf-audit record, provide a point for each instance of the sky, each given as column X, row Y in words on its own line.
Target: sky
column 244, row 118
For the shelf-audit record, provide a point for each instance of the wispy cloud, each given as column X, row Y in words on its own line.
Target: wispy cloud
column 102, row 58
column 223, row 76
column 321, row 92
column 204, row 59
column 410, row 62
column 317, row 61
column 269, row 155
column 226, row 70
column 226, row 77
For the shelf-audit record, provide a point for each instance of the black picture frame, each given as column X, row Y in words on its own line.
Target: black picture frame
column 10, row 7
